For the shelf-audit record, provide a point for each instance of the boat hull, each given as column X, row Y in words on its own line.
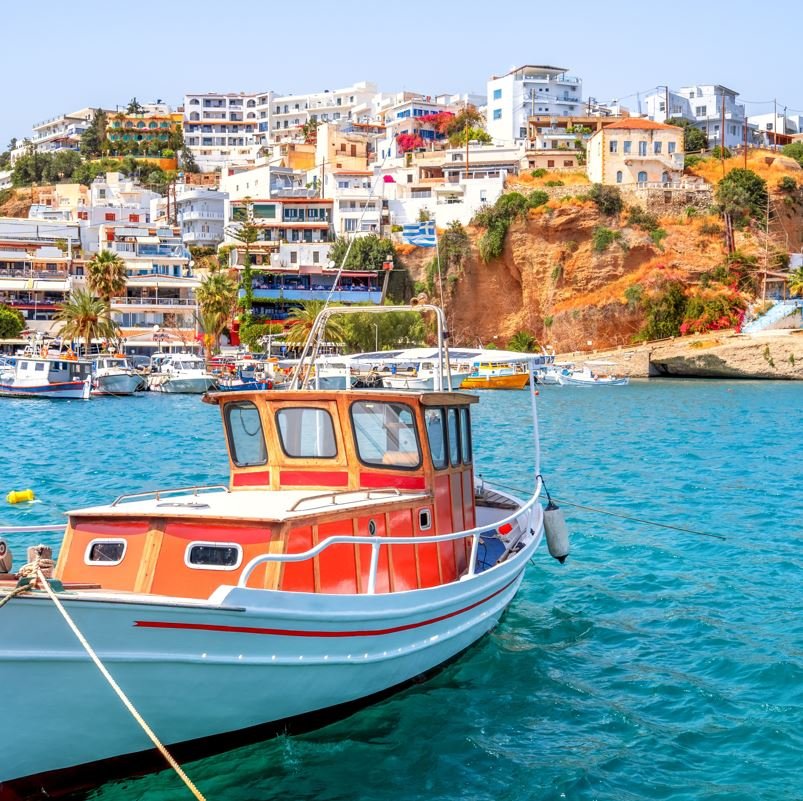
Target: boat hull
column 515, row 381
column 183, row 386
column 570, row 381
column 247, row 659
column 69, row 390
column 116, row 384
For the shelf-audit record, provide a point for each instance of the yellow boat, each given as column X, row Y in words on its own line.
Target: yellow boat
column 496, row 375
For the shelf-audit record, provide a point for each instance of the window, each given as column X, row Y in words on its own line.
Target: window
column 454, row 436
column 385, row 435
column 656, row 148
column 614, row 145
column 670, row 148
column 497, row 94
column 642, row 148
column 497, row 113
column 110, row 216
column 700, row 111
column 642, row 177
column 436, row 436
column 39, row 367
column 306, row 433
column 465, row 434
column 105, row 552
column 627, row 146
column 349, row 224
column 244, row 432
column 619, row 176
column 213, row 555
column 316, row 257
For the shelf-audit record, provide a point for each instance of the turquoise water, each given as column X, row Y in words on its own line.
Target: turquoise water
column 652, row 665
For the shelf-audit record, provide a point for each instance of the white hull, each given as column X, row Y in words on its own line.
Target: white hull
column 186, row 386
column 247, row 657
column 72, row 390
column 575, row 381
column 116, row 384
column 426, row 383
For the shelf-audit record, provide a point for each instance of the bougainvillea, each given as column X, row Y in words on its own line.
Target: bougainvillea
column 407, row 142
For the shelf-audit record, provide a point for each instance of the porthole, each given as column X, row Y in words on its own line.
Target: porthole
column 105, row 552
column 372, row 528
column 213, row 555
column 424, row 519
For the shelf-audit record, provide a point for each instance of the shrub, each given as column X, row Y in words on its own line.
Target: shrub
column 721, row 152
column 743, row 195
column 643, row 219
column 691, row 161
column 12, row 323
column 557, row 273
column 539, row 173
column 553, row 183
column 710, row 228
column 604, row 237
column 788, row 185
column 607, row 198
column 492, row 243
column 537, row 198
column 690, row 211
column 658, row 235
column 548, row 320
column 665, row 312
column 794, row 151
column 634, row 295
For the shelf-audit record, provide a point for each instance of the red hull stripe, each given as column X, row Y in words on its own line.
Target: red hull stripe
column 154, row 624
column 385, row 480
column 315, row 478
column 251, row 479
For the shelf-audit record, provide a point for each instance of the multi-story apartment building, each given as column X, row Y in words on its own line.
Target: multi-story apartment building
column 527, row 91
column 144, row 134
column 702, row 105
column 635, row 151
column 39, row 265
column 357, row 206
column 198, row 212
column 220, row 129
column 284, row 115
column 58, row 133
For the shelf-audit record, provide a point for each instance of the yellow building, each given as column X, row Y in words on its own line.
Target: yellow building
column 145, row 135
column 635, row 151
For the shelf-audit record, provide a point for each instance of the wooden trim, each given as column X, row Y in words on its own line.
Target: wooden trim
column 66, row 544
column 150, row 556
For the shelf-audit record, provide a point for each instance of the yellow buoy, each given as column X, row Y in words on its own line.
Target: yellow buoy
column 20, row 496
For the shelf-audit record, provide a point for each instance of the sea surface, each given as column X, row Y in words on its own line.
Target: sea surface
column 654, row 664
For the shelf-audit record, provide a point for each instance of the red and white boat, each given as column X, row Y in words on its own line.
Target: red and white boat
column 351, row 551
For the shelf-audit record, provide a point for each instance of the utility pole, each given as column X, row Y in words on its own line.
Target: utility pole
column 466, row 134
column 775, row 125
column 744, row 126
column 666, row 103
column 722, row 131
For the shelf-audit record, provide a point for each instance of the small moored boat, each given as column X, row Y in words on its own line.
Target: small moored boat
column 39, row 376
column 183, row 373
column 114, row 375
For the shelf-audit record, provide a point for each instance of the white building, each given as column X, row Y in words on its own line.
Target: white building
column 356, row 209
column 527, row 91
column 58, row 133
column 285, row 114
column 702, row 105
column 263, row 180
column 220, row 129
column 197, row 211
column 781, row 123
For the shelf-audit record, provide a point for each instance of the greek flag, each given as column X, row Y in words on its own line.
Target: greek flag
column 421, row 234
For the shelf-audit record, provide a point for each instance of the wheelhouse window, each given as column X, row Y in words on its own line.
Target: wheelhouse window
column 306, row 433
column 436, row 436
column 465, row 434
column 105, row 552
column 385, row 435
column 244, row 431
column 214, row 555
column 454, row 436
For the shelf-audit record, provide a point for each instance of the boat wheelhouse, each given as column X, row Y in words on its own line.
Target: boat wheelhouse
column 37, row 376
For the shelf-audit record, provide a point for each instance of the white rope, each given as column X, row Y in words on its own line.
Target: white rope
column 118, row 690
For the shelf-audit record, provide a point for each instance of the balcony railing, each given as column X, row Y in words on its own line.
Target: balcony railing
column 131, row 301
column 341, row 295
column 200, row 215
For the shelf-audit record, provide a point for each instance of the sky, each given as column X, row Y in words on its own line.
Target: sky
column 58, row 57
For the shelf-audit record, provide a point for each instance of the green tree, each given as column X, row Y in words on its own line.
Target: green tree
column 367, row 252
column 84, row 316
column 12, row 323
column 469, row 117
column 608, row 199
column 743, row 195
column 106, row 277
column 693, row 137
column 93, row 139
column 302, row 318
column 523, row 341
column 134, row 107
column 217, row 300
column 364, row 332
column 665, row 311
column 796, row 282
column 247, row 232
column 254, row 334
column 794, row 151
column 470, row 134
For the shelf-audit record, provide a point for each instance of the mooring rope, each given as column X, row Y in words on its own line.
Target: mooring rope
column 118, row 690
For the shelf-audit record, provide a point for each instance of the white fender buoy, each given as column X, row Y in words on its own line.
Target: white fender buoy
column 557, row 535
column 5, row 557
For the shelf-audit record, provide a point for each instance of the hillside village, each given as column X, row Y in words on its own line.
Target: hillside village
column 560, row 220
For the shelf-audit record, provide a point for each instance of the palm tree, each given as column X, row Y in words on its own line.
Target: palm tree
column 217, row 299
column 106, row 277
column 796, row 282
column 302, row 318
column 523, row 342
column 85, row 317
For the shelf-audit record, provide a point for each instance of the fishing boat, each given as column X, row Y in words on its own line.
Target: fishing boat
column 497, row 375
column 351, row 551
column 38, row 376
column 420, row 375
column 180, row 373
column 589, row 375
column 114, row 375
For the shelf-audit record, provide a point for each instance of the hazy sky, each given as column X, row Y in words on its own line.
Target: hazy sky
column 57, row 57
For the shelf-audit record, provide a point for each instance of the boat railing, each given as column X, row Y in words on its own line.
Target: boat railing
column 332, row 498
column 159, row 494
column 377, row 543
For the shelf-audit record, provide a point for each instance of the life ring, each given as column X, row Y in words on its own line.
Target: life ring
column 44, row 351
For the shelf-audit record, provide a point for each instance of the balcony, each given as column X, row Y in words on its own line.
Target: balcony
column 143, row 302
column 187, row 216
column 320, row 293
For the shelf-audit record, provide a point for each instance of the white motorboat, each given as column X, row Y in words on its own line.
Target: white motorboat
column 114, row 375
column 180, row 373
column 39, row 376
column 350, row 552
column 591, row 375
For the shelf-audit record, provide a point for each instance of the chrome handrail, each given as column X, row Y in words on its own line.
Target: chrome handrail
column 378, row 542
column 332, row 496
column 158, row 493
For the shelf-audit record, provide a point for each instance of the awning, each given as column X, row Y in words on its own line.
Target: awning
column 148, row 240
